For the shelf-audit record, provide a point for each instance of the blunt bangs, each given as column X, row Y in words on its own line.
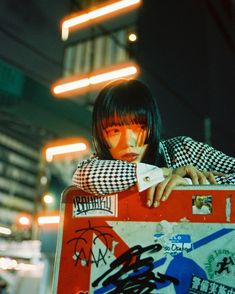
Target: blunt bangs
column 124, row 118
column 125, row 104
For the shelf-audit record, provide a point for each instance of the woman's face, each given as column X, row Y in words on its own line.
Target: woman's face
column 126, row 142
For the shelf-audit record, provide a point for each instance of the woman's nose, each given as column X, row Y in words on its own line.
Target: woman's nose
column 129, row 138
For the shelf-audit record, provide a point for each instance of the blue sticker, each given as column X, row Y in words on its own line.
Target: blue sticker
column 175, row 244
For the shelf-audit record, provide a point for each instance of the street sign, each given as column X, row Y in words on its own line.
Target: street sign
column 116, row 244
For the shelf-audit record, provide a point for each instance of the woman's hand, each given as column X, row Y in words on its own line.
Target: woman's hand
column 198, row 177
column 161, row 192
column 176, row 177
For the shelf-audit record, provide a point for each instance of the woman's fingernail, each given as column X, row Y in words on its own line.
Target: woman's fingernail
column 148, row 203
column 156, row 204
column 164, row 198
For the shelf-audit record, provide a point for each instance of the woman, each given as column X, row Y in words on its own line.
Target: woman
column 130, row 154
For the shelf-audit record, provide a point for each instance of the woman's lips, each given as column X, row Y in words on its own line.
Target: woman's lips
column 130, row 156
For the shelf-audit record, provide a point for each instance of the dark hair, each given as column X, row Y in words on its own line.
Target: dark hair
column 126, row 102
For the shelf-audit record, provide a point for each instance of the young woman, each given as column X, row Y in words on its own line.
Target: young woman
column 130, row 154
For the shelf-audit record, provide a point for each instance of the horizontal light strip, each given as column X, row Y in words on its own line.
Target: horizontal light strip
column 64, row 149
column 43, row 220
column 95, row 14
column 95, row 79
column 74, row 85
column 123, row 72
column 5, row 231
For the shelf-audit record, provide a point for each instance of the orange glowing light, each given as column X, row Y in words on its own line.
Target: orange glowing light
column 24, row 221
column 65, row 148
column 44, row 220
column 71, row 86
column 102, row 12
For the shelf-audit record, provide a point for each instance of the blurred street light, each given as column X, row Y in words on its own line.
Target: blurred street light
column 110, row 9
column 5, row 231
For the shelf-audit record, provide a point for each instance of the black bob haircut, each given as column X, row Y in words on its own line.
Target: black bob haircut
column 124, row 102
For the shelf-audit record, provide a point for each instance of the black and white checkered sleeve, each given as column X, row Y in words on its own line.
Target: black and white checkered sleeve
column 209, row 158
column 104, row 176
column 205, row 157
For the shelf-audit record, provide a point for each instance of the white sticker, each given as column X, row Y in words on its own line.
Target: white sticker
column 87, row 206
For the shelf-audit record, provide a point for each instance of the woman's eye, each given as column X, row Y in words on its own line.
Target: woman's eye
column 112, row 131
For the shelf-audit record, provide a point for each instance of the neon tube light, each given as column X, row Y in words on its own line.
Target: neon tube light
column 96, row 14
column 75, row 85
column 70, row 148
column 123, row 72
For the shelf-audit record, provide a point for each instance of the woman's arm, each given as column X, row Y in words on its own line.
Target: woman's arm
column 104, row 176
column 209, row 160
column 188, row 160
column 100, row 177
column 199, row 162
column 183, row 153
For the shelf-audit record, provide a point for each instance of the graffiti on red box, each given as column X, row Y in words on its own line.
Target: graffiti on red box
column 84, row 206
column 116, row 245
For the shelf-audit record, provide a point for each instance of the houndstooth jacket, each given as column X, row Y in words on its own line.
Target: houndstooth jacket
column 97, row 176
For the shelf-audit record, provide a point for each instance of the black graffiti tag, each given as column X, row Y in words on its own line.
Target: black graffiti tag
column 83, row 251
column 83, row 205
column 130, row 273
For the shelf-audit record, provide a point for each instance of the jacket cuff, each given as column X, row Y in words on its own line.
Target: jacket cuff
column 148, row 176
